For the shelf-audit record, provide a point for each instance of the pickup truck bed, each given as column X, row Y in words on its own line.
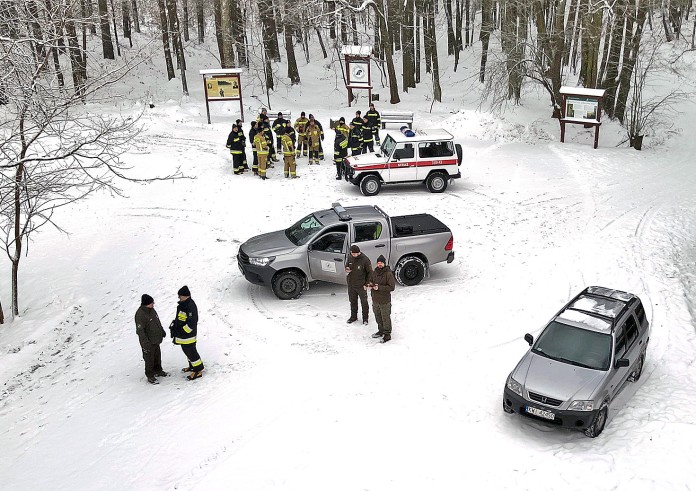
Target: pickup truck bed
column 421, row 224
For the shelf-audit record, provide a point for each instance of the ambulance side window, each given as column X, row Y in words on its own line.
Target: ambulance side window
column 404, row 152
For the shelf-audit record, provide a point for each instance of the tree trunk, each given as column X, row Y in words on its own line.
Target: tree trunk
column 227, row 57
column 418, row 21
column 611, row 73
column 270, row 34
column 431, row 49
column 321, row 42
column 385, row 35
column 409, row 79
column 113, row 19
column 451, row 39
column 630, row 61
column 136, row 18
column 186, row 20
column 592, row 21
column 165, row 39
column 76, row 59
column 175, row 33
column 239, row 28
column 332, row 19
column 125, row 10
column 2, row 314
column 200, row 21
column 219, row 37
column 107, row 44
column 293, row 72
column 486, row 28
column 467, row 23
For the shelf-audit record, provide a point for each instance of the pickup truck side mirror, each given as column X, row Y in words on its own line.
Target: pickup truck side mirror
column 309, row 247
column 529, row 338
column 621, row 363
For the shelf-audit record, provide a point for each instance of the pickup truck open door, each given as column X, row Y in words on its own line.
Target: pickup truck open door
column 327, row 257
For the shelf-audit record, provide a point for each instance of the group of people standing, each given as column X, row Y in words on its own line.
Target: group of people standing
column 302, row 139
column 183, row 330
column 380, row 282
column 360, row 137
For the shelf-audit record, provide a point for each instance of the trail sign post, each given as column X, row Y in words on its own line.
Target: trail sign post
column 358, row 74
column 222, row 84
column 581, row 106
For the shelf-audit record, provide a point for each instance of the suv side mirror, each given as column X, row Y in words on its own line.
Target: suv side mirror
column 529, row 338
column 621, row 363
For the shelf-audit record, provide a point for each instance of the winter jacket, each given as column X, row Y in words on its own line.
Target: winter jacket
column 386, row 281
column 360, row 269
column 288, row 145
column 374, row 120
column 148, row 326
column 185, row 324
column 367, row 135
column 355, row 139
column 261, row 144
column 343, row 128
column 340, row 147
column 235, row 142
column 314, row 136
column 301, row 125
column 357, row 121
column 280, row 124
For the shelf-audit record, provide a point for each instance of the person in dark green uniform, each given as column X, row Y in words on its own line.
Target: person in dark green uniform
column 150, row 334
column 381, row 283
column 358, row 268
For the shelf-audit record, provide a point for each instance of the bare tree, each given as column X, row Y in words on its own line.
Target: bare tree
column 54, row 151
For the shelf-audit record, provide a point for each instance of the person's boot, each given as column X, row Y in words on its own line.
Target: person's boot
column 378, row 334
column 195, row 375
column 385, row 338
column 351, row 320
column 153, row 380
column 162, row 373
column 338, row 178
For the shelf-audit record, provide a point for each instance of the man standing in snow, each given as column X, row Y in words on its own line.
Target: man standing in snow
column 183, row 332
column 358, row 268
column 382, row 282
column 150, row 333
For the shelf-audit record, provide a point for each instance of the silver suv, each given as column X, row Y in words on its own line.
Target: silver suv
column 580, row 361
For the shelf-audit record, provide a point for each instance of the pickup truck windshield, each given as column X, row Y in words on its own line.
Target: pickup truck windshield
column 302, row 231
column 575, row 346
column 387, row 146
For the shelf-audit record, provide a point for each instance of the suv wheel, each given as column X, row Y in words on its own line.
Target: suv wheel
column 288, row 285
column 638, row 371
column 436, row 182
column 409, row 271
column 370, row 185
column 597, row 426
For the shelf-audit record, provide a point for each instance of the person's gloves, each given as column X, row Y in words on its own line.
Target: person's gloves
column 322, row 137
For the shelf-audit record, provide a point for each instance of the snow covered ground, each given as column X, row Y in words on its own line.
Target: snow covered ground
column 295, row 399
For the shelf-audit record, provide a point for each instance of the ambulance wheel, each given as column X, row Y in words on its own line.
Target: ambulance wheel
column 436, row 182
column 370, row 185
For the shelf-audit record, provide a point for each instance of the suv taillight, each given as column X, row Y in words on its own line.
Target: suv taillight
column 450, row 243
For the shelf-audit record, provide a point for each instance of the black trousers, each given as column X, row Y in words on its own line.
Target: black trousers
column 368, row 146
column 194, row 359
column 353, row 295
column 153, row 359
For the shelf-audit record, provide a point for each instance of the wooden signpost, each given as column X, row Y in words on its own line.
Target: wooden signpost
column 358, row 70
column 222, row 84
column 581, row 106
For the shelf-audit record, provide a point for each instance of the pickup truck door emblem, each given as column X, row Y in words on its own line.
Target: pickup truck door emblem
column 329, row 266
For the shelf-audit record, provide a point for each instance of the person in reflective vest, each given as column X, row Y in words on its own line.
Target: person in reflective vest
column 355, row 140
column 321, row 130
column 240, row 129
column 374, row 120
column 235, row 143
column 289, row 153
column 252, row 133
column 340, row 151
column 184, row 328
column 279, row 125
column 314, row 137
column 262, row 147
column 301, row 129
column 343, row 127
column 357, row 120
column 367, row 144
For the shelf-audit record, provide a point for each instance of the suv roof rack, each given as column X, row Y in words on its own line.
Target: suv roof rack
column 598, row 292
column 343, row 215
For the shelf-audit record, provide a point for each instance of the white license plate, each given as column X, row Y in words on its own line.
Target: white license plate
column 541, row 413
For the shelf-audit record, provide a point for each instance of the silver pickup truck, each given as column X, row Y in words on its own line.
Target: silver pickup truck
column 315, row 248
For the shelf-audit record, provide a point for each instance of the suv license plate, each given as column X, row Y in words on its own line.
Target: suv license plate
column 541, row 413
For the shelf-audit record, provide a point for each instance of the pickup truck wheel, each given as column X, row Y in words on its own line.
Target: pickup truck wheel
column 370, row 185
column 436, row 182
column 409, row 271
column 288, row 285
column 599, row 423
